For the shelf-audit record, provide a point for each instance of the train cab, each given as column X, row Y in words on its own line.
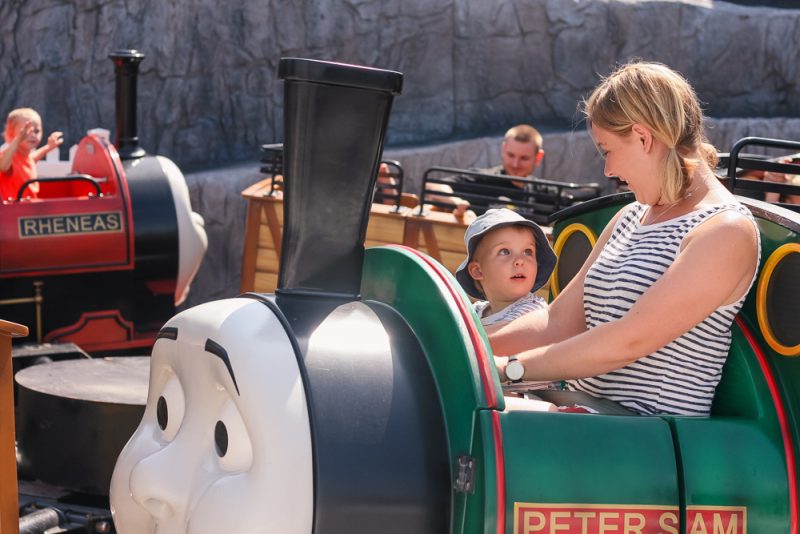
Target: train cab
column 81, row 222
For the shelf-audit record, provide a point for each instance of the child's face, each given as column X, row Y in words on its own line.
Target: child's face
column 504, row 263
column 33, row 134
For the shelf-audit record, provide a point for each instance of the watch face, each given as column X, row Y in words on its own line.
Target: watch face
column 515, row 370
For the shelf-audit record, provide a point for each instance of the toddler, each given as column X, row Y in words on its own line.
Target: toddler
column 508, row 259
column 19, row 154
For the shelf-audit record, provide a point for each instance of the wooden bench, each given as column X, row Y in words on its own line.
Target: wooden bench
column 264, row 230
column 438, row 234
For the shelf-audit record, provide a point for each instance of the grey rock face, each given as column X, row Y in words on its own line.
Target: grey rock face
column 209, row 94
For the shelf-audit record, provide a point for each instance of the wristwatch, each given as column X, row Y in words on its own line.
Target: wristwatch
column 514, row 370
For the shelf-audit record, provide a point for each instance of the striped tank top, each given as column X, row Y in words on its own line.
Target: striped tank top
column 681, row 377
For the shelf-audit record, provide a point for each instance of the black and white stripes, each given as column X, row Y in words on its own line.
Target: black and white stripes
column 681, row 377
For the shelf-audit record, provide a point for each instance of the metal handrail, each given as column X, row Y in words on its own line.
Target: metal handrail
column 67, row 178
column 541, row 200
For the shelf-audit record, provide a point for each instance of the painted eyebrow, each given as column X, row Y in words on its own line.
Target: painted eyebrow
column 168, row 332
column 219, row 351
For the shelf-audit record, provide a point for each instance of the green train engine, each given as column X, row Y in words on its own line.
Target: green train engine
column 362, row 396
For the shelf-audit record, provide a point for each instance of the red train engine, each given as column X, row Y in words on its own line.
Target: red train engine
column 102, row 256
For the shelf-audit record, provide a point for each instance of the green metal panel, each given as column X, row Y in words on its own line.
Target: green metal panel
column 401, row 279
column 588, row 459
column 736, row 457
column 735, row 462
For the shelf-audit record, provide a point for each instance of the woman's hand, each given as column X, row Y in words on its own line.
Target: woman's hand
column 500, row 363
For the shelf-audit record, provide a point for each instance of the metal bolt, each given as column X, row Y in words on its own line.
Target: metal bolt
column 103, row 527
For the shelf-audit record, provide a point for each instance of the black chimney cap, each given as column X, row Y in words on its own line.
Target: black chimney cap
column 332, row 73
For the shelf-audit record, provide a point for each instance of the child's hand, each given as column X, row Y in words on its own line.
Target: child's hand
column 55, row 140
column 26, row 130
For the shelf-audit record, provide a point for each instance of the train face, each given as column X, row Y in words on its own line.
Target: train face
column 104, row 254
column 240, row 412
column 376, row 384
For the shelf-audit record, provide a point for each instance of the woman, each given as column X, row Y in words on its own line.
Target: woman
column 646, row 321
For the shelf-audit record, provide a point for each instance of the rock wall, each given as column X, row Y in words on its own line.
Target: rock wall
column 208, row 88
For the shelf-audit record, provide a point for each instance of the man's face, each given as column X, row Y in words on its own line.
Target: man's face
column 519, row 158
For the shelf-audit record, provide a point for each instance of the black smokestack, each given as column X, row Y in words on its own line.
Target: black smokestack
column 335, row 119
column 126, row 67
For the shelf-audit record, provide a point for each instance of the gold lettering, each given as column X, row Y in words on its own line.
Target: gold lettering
column 605, row 527
column 73, row 226
column 733, row 525
column 555, row 526
column 527, row 523
column 668, row 517
column 86, row 223
column 29, row 227
column 45, row 226
column 99, row 224
column 58, row 225
column 630, row 528
column 699, row 525
column 113, row 222
column 584, row 517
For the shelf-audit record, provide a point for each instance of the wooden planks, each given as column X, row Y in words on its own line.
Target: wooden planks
column 438, row 234
column 9, row 498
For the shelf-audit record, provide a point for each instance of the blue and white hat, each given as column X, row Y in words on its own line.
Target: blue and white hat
column 498, row 218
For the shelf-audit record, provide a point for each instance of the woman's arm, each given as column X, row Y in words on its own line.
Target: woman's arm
column 564, row 317
column 715, row 267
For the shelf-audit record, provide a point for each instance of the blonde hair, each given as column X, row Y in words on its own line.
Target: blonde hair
column 16, row 115
column 525, row 133
column 661, row 99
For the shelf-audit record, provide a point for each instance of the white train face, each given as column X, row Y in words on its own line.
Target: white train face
column 225, row 443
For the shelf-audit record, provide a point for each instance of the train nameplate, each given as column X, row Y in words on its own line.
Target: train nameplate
column 71, row 224
column 533, row 518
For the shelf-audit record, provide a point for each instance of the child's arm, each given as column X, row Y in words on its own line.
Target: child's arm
column 54, row 141
column 11, row 148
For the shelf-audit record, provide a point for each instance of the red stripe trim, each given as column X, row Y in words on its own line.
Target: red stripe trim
column 501, row 470
column 783, row 420
column 488, row 383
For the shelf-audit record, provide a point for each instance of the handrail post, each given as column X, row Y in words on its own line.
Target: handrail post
column 9, row 497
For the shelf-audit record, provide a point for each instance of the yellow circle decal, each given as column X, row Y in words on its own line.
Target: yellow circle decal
column 561, row 242
column 775, row 259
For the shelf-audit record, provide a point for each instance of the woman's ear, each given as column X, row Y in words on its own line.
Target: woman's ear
column 643, row 135
column 474, row 270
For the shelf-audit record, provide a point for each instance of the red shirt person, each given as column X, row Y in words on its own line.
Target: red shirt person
column 19, row 154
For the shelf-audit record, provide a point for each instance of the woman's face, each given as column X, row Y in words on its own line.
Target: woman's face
column 634, row 158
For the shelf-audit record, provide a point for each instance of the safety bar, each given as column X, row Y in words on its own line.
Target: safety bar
column 68, row 178
column 739, row 162
column 537, row 200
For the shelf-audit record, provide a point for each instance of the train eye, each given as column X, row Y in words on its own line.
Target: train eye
column 162, row 413
column 170, row 408
column 221, row 439
column 231, row 440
